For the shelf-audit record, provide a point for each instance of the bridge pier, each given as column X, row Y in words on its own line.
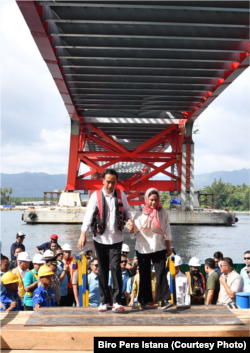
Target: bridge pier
column 187, row 176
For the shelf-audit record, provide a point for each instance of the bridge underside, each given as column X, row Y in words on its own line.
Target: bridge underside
column 134, row 76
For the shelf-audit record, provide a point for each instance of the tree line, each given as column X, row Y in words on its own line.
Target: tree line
column 226, row 196
column 6, row 196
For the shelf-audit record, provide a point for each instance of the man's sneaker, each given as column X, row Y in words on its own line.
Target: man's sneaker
column 144, row 305
column 117, row 307
column 103, row 307
column 166, row 305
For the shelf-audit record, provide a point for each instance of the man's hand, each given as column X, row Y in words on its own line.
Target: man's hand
column 130, row 226
column 82, row 241
column 12, row 306
column 66, row 267
column 223, row 280
column 37, row 306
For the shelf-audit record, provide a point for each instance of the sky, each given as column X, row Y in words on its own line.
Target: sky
column 35, row 127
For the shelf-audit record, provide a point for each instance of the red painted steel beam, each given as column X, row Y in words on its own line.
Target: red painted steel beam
column 107, row 138
column 165, row 139
column 97, row 184
column 150, row 165
column 102, row 143
column 73, row 163
column 97, row 167
column 136, row 202
column 154, row 172
column 92, row 164
column 129, row 156
column 123, row 159
column 80, row 147
column 135, row 194
column 93, row 171
column 153, row 140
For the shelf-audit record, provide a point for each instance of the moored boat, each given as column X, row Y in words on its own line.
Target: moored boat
column 71, row 209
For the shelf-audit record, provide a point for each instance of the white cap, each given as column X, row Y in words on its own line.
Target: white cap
column 195, row 262
column 49, row 254
column 23, row 256
column 38, row 259
column 177, row 260
column 67, row 247
column 125, row 248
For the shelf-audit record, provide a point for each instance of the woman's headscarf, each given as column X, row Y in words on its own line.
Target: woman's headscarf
column 153, row 221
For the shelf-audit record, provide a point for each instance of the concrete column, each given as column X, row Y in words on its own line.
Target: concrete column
column 192, row 178
column 183, row 177
column 172, row 171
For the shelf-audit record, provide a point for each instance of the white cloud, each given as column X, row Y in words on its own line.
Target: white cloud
column 49, row 155
column 33, row 115
column 223, row 143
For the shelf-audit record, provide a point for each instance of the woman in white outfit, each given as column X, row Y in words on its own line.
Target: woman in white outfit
column 152, row 229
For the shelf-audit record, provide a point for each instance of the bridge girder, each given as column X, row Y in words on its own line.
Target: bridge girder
column 128, row 71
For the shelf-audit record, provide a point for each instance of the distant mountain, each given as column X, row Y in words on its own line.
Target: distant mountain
column 235, row 177
column 34, row 184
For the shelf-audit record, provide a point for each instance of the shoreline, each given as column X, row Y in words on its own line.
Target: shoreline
column 22, row 208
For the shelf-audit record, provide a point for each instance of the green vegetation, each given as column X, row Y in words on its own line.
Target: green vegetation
column 226, row 195
column 18, row 200
column 165, row 198
column 6, row 196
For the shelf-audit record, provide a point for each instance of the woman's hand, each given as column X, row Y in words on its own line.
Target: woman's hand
column 130, row 226
column 168, row 246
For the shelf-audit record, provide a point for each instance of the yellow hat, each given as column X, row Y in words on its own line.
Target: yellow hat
column 8, row 278
column 45, row 271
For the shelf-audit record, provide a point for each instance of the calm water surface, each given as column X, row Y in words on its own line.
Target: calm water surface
column 188, row 241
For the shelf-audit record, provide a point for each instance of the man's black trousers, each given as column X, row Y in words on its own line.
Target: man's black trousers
column 109, row 258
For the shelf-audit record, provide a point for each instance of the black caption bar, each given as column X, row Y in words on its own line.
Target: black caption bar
column 172, row 343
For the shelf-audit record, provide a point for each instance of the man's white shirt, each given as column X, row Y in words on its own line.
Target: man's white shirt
column 111, row 234
column 182, row 288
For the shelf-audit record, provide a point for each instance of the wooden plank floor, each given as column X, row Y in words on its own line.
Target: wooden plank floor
column 17, row 336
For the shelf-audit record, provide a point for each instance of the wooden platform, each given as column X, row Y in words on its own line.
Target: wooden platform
column 152, row 316
column 73, row 329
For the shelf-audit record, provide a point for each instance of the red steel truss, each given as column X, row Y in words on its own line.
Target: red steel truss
column 114, row 153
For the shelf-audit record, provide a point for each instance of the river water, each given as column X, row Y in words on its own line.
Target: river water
column 188, row 241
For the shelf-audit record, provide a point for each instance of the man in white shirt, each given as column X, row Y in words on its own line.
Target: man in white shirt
column 108, row 237
column 181, row 283
column 244, row 270
column 230, row 283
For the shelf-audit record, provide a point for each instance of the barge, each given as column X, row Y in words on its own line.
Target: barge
column 71, row 210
